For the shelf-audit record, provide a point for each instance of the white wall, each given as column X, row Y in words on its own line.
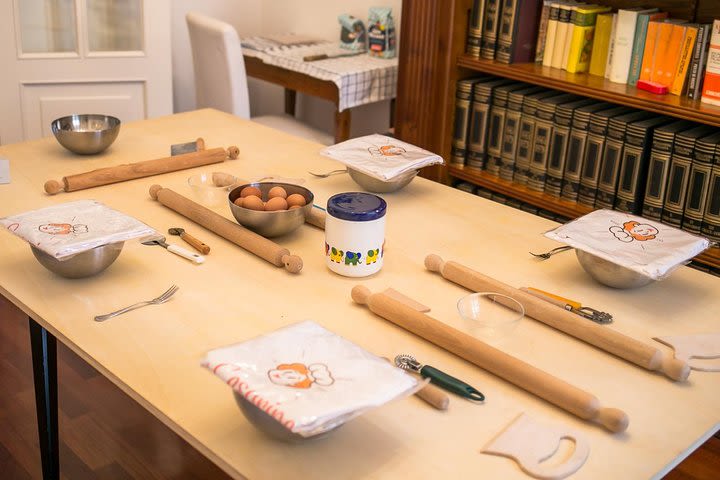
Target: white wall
column 256, row 17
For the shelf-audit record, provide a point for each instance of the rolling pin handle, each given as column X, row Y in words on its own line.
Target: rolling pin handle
column 293, row 263
column 233, row 152
column 53, row 186
column 360, row 294
column 434, row 263
column 674, row 368
column 613, row 419
column 154, row 189
column 199, row 144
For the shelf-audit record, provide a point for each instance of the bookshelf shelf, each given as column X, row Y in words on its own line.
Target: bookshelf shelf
column 596, row 87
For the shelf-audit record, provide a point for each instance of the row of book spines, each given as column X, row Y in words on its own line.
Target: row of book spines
column 530, row 208
column 612, row 170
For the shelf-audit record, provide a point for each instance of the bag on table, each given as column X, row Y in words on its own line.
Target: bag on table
column 381, row 32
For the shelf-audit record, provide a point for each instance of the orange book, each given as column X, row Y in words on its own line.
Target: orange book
column 683, row 65
column 711, row 86
column 667, row 55
column 649, row 52
column 661, row 44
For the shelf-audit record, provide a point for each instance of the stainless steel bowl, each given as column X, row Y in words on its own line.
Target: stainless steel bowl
column 83, row 264
column 86, row 134
column 271, row 224
column 372, row 184
column 268, row 425
column 609, row 273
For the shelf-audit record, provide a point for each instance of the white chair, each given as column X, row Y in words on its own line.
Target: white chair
column 221, row 81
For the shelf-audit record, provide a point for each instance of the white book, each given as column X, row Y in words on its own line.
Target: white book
column 550, row 36
column 623, row 44
column 568, row 38
column 611, row 46
column 562, row 27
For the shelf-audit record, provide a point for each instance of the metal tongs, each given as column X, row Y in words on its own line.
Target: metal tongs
column 571, row 305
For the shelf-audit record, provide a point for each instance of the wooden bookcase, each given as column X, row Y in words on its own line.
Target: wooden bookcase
column 433, row 59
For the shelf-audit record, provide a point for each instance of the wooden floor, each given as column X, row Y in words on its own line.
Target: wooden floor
column 104, row 434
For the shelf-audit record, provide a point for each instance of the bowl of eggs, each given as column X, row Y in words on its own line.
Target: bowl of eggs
column 270, row 209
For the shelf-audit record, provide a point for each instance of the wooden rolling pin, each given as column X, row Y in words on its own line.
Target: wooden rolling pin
column 507, row 367
column 250, row 241
column 601, row 337
column 147, row 168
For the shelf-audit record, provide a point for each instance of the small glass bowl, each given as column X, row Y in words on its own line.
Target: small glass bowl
column 212, row 189
column 490, row 315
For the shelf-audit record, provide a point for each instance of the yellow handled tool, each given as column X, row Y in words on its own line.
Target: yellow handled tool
column 571, row 305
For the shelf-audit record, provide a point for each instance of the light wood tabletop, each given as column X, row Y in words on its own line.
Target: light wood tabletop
column 154, row 353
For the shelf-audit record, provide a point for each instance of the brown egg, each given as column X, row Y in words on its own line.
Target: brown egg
column 238, row 201
column 247, row 191
column 277, row 192
column 253, row 203
column 293, row 207
column 296, row 200
column 277, row 203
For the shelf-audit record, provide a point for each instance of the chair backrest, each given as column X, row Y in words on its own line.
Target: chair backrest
column 220, row 79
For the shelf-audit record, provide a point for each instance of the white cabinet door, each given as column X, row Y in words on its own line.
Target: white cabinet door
column 61, row 57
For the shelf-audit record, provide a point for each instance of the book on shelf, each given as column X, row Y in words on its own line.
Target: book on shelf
column 479, row 114
column 623, row 44
column 667, row 51
column 544, row 122
column 511, row 131
column 660, row 153
column 466, row 187
column 601, row 43
column 583, row 32
column 576, row 149
column 648, row 59
column 699, row 60
column 526, row 137
column 551, row 34
column 679, row 172
column 711, row 217
column 642, row 36
column 711, row 83
column 542, row 30
column 683, row 65
column 699, row 182
column 612, row 157
column 568, row 36
column 611, row 46
column 594, row 152
column 474, row 36
column 491, row 20
column 563, row 24
column 517, row 34
column 496, row 125
column 559, row 144
column 463, row 98
column 633, row 168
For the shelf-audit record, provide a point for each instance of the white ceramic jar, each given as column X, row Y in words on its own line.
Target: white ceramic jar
column 355, row 233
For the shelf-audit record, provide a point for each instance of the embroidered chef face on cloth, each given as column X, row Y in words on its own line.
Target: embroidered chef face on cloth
column 297, row 375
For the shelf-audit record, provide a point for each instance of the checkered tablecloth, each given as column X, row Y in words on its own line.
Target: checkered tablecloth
column 360, row 79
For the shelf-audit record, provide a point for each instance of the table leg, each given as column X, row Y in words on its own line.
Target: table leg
column 44, row 360
column 290, row 96
column 342, row 125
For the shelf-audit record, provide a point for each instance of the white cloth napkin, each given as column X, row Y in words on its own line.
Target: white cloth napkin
column 380, row 156
column 70, row 228
column 308, row 378
column 645, row 246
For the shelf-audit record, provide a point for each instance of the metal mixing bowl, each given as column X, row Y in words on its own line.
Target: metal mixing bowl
column 271, row 224
column 268, row 425
column 86, row 134
column 609, row 273
column 83, row 264
column 372, row 184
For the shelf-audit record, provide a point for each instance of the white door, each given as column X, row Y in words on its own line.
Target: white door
column 60, row 57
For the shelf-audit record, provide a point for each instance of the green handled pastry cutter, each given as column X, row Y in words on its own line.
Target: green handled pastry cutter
column 439, row 378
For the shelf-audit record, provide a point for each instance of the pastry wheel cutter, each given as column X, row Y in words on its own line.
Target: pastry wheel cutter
column 439, row 378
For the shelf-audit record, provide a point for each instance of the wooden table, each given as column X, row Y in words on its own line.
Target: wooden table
column 153, row 354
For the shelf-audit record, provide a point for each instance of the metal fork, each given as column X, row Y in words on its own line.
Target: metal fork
column 546, row 255
column 332, row 172
column 164, row 297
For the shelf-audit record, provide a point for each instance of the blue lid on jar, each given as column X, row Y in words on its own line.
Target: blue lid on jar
column 356, row 206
